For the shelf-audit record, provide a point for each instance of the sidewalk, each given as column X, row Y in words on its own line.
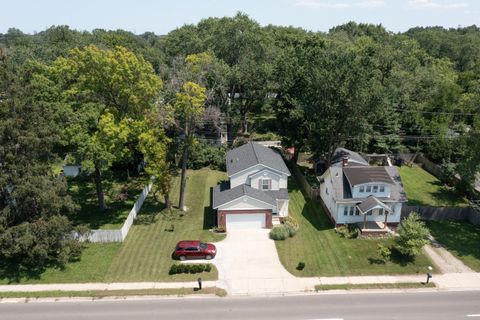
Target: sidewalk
column 448, row 281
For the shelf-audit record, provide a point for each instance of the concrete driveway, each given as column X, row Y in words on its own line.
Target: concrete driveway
column 248, row 263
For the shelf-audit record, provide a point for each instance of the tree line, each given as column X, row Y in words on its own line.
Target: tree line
column 108, row 98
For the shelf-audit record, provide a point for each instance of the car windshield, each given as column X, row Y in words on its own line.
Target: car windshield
column 203, row 246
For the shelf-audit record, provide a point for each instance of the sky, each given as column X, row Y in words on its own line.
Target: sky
column 161, row 16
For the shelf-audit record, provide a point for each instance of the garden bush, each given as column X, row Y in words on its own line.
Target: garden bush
column 189, row 268
column 279, row 233
column 301, row 266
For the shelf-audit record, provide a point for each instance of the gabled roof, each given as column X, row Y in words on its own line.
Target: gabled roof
column 354, row 158
column 222, row 194
column 251, row 154
column 372, row 203
column 361, row 175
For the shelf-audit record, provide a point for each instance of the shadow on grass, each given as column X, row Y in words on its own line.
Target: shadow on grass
column 460, row 236
column 209, row 214
column 15, row 272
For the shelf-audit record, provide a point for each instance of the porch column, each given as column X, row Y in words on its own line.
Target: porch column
column 365, row 220
column 386, row 216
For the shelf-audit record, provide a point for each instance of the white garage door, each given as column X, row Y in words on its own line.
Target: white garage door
column 245, row 221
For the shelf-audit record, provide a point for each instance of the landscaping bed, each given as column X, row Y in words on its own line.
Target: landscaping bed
column 325, row 253
column 461, row 238
column 423, row 189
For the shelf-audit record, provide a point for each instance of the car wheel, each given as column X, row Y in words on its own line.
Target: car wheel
column 208, row 257
column 182, row 258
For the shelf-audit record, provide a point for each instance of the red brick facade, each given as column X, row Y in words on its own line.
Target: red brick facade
column 222, row 220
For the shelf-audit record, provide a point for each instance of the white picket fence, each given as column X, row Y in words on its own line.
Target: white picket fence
column 117, row 235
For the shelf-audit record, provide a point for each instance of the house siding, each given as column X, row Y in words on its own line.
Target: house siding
column 252, row 176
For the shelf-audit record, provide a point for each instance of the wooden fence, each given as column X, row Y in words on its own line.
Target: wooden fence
column 117, row 235
column 443, row 213
column 312, row 193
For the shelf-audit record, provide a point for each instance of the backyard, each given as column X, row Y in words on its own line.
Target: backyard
column 423, row 189
column 325, row 253
column 146, row 253
column 120, row 196
column 461, row 238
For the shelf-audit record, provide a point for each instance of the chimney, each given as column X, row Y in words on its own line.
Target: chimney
column 345, row 161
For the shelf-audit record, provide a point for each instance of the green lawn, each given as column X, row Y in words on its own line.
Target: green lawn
column 120, row 196
column 461, row 238
column 326, row 254
column 146, row 253
column 423, row 189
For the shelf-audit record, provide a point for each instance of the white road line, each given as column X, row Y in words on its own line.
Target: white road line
column 327, row 319
column 473, row 315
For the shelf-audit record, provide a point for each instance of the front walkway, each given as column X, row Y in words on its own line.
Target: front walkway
column 444, row 260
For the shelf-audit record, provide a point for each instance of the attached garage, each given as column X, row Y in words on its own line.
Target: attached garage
column 245, row 221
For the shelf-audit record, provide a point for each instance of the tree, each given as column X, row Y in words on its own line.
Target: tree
column 412, row 236
column 105, row 90
column 34, row 205
column 190, row 105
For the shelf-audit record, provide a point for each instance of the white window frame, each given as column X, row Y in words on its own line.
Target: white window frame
column 375, row 189
column 369, row 189
column 345, row 211
column 382, row 188
column 361, row 189
column 263, row 184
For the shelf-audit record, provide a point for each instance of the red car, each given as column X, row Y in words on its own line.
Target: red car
column 194, row 249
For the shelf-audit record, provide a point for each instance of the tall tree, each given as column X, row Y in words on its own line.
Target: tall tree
column 190, row 105
column 103, row 88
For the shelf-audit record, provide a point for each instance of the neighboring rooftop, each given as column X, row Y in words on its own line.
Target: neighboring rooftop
column 361, row 175
column 354, row 158
column 223, row 194
column 251, row 154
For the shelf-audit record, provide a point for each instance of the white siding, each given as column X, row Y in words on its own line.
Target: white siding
column 243, row 176
column 265, row 174
column 251, row 176
column 283, row 208
column 357, row 194
column 247, row 203
column 326, row 192
column 392, row 217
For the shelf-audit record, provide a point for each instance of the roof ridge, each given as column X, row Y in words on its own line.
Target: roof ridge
column 254, row 152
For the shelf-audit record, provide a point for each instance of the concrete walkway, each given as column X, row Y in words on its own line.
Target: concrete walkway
column 444, row 260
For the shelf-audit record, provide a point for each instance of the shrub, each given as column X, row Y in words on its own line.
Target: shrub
column 219, row 229
column 279, row 233
column 290, row 229
column 353, row 232
column 301, row 266
column 342, row 231
column 412, row 236
column 207, row 155
column 383, row 252
column 189, row 268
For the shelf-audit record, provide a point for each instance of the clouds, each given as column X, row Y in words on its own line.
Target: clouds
column 340, row 4
column 436, row 4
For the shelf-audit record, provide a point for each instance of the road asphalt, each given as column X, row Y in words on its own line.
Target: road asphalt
column 351, row 306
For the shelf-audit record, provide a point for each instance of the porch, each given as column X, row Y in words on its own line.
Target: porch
column 376, row 209
column 373, row 228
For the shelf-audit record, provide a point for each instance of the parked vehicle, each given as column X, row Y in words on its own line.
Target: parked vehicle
column 194, row 249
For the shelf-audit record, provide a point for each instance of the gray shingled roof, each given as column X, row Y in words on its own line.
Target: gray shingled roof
column 361, row 175
column 251, row 154
column 354, row 158
column 370, row 203
column 341, row 189
column 223, row 194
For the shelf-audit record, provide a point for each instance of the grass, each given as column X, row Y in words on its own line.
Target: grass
column 326, row 254
column 461, row 238
column 425, row 190
column 115, row 293
column 401, row 285
column 146, row 252
column 92, row 267
column 120, row 196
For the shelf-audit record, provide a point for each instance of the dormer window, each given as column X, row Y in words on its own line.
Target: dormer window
column 375, row 189
column 369, row 188
column 265, row 184
column 362, row 189
column 382, row 188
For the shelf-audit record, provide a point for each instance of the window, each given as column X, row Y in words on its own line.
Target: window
column 352, row 210
column 369, row 213
column 369, row 188
column 265, row 184
column 326, row 191
column 375, row 189
column 357, row 211
column 380, row 212
column 382, row 188
column 362, row 189
column 345, row 211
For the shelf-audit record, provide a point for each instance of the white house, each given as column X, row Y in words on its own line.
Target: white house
column 256, row 193
column 356, row 193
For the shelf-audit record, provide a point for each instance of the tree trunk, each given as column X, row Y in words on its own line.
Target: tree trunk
column 183, row 181
column 168, row 204
column 243, row 122
column 296, row 152
column 98, row 186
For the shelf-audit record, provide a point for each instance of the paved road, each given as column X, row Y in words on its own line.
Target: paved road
column 371, row 306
